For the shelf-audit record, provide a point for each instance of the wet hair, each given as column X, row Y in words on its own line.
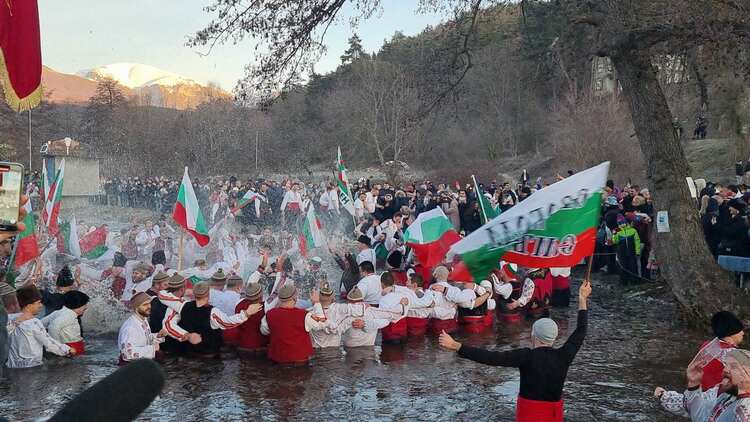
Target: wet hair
column 386, row 279
column 367, row 267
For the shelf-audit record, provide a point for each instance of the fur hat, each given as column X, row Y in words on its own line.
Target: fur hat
column 75, row 299
column 176, row 281
column 364, row 239
column 139, row 299
column 160, row 276
column 253, row 290
column 200, row 288
column 287, row 292
column 725, row 324
column 64, row 278
column 219, row 276
column 27, row 295
column 355, row 295
column 395, row 259
column 325, row 289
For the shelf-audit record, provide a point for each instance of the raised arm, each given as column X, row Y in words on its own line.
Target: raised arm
column 575, row 341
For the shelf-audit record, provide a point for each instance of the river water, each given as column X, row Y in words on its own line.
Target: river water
column 634, row 344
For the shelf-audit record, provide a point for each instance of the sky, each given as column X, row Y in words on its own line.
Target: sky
column 81, row 34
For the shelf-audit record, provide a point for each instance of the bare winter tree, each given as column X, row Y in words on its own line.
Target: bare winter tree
column 629, row 32
column 632, row 34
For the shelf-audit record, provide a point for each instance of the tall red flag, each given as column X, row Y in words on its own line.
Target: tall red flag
column 21, row 53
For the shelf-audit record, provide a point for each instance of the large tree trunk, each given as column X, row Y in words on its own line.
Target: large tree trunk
column 698, row 283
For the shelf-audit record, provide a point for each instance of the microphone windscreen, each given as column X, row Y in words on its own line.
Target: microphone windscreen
column 121, row 396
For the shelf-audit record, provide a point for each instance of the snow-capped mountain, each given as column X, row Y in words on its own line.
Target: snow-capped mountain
column 146, row 85
column 134, row 75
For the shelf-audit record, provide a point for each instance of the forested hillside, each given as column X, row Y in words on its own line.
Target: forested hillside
column 497, row 102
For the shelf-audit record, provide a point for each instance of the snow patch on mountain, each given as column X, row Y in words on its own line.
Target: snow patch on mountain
column 134, row 75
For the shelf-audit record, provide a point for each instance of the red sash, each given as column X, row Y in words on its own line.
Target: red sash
column 292, row 206
column 416, row 326
column 447, row 325
column 472, row 324
column 489, row 319
column 231, row 336
column 78, row 346
column 560, row 283
column 395, row 330
column 538, row 411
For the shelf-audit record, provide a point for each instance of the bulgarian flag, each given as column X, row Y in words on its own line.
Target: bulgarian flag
column 187, row 213
column 345, row 195
column 67, row 238
column 311, row 235
column 26, row 246
column 430, row 236
column 20, row 54
column 246, row 199
column 94, row 244
column 52, row 202
column 486, row 211
column 554, row 227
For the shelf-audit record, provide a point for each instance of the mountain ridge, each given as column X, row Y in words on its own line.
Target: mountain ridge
column 145, row 84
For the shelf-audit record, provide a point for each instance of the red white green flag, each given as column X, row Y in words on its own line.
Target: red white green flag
column 94, row 244
column 345, row 195
column 26, row 245
column 554, row 227
column 430, row 236
column 311, row 235
column 187, row 213
column 52, row 202
column 67, row 238
column 246, row 199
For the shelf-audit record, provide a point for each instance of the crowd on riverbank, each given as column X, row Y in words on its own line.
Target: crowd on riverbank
column 254, row 290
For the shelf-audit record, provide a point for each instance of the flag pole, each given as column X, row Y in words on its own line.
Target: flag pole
column 181, row 249
column 481, row 203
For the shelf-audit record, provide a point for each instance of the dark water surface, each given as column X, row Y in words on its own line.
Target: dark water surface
column 634, row 345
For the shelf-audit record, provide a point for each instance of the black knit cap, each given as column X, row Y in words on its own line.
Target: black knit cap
column 725, row 324
column 75, row 299
column 64, row 278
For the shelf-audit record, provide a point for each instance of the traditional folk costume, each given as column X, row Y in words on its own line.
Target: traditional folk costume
column 396, row 331
column 250, row 340
column 161, row 305
column 27, row 342
column 288, row 330
column 509, row 289
column 538, row 306
column 420, row 306
column 560, row 287
column 135, row 340
column 63, row 325
column 205, row 320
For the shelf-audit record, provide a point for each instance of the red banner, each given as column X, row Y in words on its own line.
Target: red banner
column 21, row 58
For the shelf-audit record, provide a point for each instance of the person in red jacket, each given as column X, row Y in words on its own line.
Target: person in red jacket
column 250, row 341
column 288, row 328
column 729, row 332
